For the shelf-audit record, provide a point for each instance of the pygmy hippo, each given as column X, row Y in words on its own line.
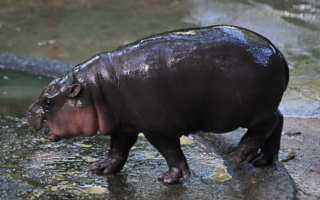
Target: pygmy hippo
column 211, row 79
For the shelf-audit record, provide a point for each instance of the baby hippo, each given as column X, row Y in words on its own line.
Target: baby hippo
column 211, row 79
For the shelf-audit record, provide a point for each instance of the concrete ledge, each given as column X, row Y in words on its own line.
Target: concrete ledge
column 34, row 65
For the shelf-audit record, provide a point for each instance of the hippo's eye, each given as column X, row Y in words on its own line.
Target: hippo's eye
column 47, row 103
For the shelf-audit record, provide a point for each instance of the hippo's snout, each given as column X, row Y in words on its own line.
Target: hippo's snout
column 35, row 117
column 35, row 122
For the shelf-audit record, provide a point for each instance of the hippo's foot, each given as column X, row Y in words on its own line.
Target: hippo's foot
column 120, row 145
column 265, row 137
column 258, row 158
column 174, row 174
column 265, row 158
column 245, row 151
column 170, row 149
column 108, row 165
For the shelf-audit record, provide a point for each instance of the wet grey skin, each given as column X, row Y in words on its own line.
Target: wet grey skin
column 211, row 79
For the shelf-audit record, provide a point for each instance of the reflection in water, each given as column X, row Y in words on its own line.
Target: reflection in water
column 119, row 187
column 123, row 186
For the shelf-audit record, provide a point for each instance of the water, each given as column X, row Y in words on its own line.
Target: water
column 76, row 30
column 18, row 91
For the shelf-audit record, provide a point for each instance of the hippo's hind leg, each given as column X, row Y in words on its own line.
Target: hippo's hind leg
column 170, row 149
column 265, row 137
column 270, row 148
column 120, row 145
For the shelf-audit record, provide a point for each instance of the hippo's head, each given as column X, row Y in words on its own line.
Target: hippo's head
column 66, row 107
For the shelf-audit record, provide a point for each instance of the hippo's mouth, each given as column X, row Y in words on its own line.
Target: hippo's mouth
column 53, row 138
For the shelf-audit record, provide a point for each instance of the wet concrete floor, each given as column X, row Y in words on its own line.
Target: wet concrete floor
column 300, row 154
column 31, row 167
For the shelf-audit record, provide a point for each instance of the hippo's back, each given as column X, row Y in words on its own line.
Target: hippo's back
column 209, row 79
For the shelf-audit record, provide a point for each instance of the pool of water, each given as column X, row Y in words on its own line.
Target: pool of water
column 18, row 91
column 76, row 30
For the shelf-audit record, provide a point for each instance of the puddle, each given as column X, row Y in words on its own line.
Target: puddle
column 29, row 182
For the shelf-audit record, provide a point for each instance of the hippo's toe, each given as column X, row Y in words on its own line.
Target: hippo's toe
column 108, row 165
column 174, row 174
column 265, row 158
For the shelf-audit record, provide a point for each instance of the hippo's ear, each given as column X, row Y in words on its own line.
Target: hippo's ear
column 74, row 90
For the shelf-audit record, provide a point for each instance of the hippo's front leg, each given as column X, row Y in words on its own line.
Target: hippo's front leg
column 170, row 149
column 120, row 145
